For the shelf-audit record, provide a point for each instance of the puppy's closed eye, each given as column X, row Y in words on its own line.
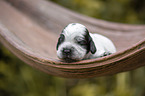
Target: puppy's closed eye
column 60, row 40
column 80, row 40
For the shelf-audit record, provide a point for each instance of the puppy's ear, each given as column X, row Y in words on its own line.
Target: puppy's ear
column 92, row 45
column 57, row 45
column 60, row 40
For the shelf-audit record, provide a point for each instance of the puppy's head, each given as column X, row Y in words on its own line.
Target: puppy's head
column 74, row 43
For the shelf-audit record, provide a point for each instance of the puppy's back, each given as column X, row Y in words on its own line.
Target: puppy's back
column 103, row 43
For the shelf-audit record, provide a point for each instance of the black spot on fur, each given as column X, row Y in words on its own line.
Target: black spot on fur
column 60, row 40
column 73, row 23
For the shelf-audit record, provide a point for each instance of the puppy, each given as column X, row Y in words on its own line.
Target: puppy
column 76, row 43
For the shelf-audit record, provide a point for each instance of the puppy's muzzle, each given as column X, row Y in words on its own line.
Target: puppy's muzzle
column 66, row 51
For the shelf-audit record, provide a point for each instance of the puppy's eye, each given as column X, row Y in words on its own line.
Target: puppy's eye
column 82, row 42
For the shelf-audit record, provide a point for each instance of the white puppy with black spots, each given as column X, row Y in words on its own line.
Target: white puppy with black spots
column 76, row 43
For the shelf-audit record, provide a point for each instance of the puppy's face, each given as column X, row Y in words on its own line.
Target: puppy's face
column 74, row 43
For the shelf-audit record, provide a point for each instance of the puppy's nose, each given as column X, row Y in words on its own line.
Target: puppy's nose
column 67, row 51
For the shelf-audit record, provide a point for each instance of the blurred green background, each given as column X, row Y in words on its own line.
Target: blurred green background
column 19, row 79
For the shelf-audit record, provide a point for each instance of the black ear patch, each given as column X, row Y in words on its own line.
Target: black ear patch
column 91, row 45
column 60, row 40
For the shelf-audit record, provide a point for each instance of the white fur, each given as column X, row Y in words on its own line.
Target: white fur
column 77, row 29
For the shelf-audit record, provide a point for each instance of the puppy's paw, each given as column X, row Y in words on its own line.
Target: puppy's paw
column 107, row 53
